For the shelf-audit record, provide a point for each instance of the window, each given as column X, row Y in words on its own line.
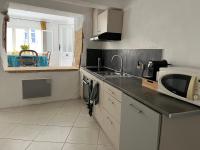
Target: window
column 55, row 44
column 9, row 42
column 20, row 39
column 20, row 36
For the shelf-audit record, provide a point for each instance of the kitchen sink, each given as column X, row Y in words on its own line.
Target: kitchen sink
column 108, row 73
column 120, row 76
column 95, row 69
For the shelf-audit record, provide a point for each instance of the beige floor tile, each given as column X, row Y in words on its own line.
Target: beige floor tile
column 34, row 119
column 7, row 144
column 84, row 135
column 53, row 134
column 45, row 146
column 30, row 108
column 62, row 120
column 48, row 112
column 102, row 147
column 5, row 129
column 84, row 110
column 103, row 139
column 24, row 132
column 85, row 121
column 10, row 117
column 70, row 110
column 77, row 103
column 69, row 146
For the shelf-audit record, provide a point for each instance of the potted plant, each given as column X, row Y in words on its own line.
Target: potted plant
column 25, row 47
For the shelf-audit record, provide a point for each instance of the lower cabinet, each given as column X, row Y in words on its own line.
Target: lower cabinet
column 112, row 106
column 107, row 114
column 139, row 126
column 112, row 129
column 130, row 125
column 98, row 114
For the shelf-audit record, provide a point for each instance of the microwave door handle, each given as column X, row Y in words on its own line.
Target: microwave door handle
column 190, row 93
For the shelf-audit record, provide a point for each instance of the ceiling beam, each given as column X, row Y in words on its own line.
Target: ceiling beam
column 101, row 4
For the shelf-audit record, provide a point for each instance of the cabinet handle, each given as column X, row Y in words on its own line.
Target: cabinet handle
column 111, row 91
column 135, row 108
column 109, row 120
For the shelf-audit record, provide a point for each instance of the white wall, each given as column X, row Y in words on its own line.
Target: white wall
column 170, row 25
column 65, row 86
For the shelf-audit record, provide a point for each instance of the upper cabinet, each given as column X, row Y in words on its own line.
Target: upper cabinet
column 107, row 24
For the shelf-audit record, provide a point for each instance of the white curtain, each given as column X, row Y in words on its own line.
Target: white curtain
column 78, row 48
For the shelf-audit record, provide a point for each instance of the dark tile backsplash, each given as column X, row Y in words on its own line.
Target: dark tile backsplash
column 130, row 58
column 92, row 57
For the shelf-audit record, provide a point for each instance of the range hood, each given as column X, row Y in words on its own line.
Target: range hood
column 107, row 36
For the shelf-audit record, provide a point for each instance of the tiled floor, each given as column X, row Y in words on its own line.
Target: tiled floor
column 61, row 125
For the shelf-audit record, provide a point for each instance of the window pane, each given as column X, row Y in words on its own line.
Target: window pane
column 9, row 40
column 21, row 35
column 26, row 37
column 36, row 40
column 33, row 40
column 68, row 38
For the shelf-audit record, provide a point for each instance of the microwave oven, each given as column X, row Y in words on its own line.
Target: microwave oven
column 180, row 83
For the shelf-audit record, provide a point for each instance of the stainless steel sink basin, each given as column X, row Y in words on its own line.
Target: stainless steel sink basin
column 120, row 76
column 108, row 74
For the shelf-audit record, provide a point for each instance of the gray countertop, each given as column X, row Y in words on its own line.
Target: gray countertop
column 161, row 103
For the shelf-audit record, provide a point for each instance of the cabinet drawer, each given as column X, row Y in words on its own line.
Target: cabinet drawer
column 140, row 108
column 112, row 106
column 113, row 92
column 112, row 129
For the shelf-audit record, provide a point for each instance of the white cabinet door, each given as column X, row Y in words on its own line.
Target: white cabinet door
column 111, row 128
column 66, row 47
column 139, row 126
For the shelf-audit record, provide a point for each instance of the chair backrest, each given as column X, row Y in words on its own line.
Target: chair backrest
column 49, row 56
column 27, row 60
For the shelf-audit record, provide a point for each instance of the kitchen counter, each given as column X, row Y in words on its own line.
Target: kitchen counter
column 132, row 86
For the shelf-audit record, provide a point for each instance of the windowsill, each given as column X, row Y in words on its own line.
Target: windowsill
column 39, row 69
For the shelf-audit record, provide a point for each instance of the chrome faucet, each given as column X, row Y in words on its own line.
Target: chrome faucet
column 122, row 64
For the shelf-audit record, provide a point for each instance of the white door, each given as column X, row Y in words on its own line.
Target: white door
column 66, row 44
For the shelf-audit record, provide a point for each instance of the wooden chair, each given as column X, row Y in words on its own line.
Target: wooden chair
column 49, row 56
column 27, row 60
